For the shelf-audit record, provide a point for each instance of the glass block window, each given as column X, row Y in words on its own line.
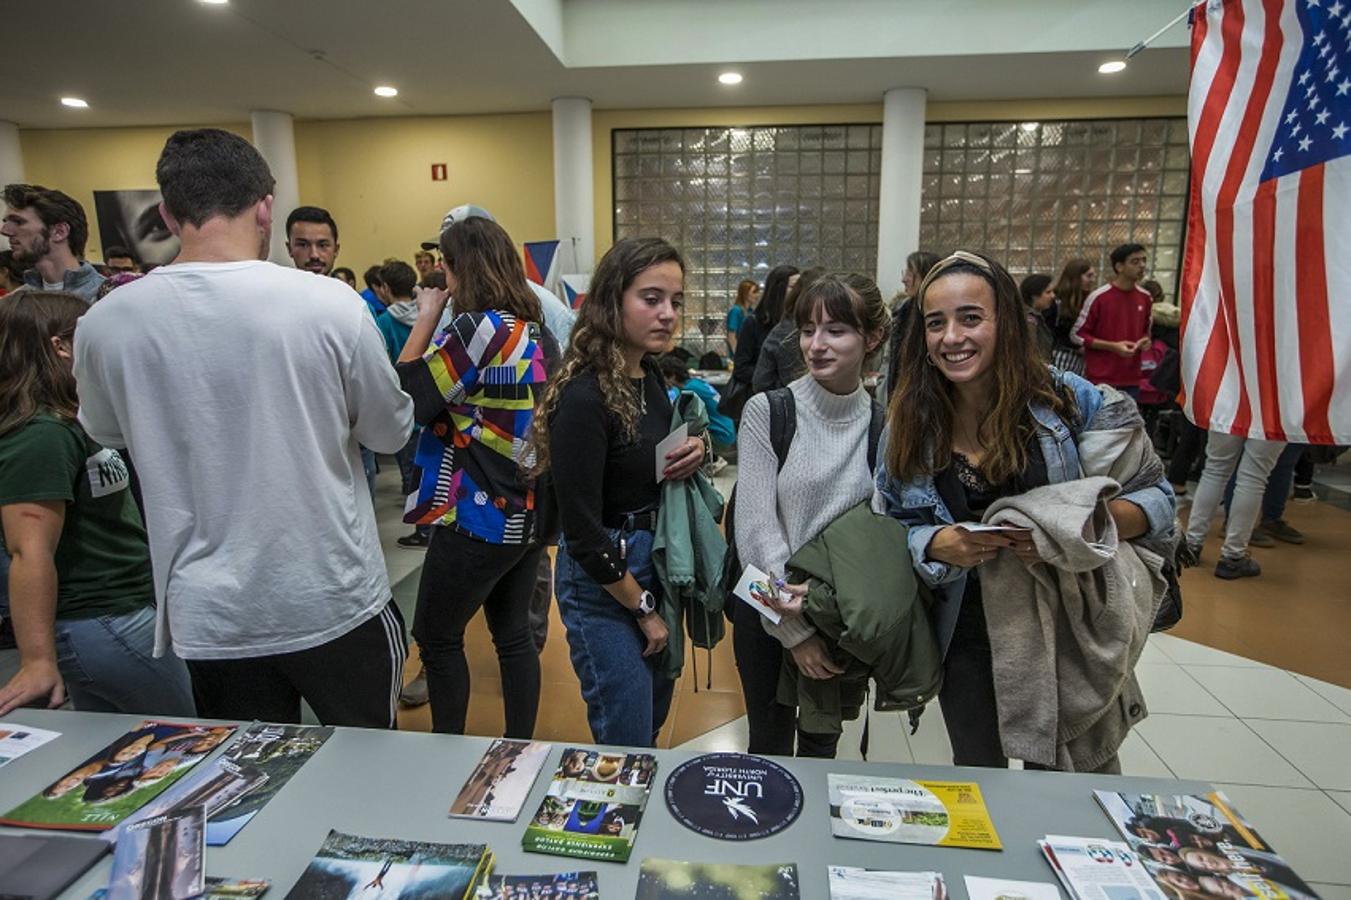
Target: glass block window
column 1035, row 194
column 739, row 201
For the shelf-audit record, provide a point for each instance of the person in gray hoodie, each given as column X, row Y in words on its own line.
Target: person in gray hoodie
column 47, row 232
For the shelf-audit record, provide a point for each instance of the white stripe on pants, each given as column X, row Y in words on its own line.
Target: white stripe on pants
column 1254, row 459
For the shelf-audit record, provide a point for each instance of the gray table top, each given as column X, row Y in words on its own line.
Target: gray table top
column 400, row 784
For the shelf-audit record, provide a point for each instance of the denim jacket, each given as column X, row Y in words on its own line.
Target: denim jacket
column 917, row 504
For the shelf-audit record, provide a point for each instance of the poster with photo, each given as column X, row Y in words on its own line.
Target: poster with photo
column 131, row 219
column 217, row 786
column 1201, row 844
column 497, row 788
column 163, row 858
column 349, row 865
column 897, row 810
column 121, row 778
column 565, row 886
column 277, row 753
column 593, row 806
column 673, row 879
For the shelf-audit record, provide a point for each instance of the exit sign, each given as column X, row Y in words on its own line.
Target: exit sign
column 438, row 171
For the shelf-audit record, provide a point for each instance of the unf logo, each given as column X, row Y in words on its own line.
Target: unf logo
column 734, row 794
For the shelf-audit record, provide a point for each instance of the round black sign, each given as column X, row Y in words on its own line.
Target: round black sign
column 733, row 796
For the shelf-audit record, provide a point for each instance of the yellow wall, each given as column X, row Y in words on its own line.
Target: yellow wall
column 375, row 174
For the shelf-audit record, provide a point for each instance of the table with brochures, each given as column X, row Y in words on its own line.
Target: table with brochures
column 400, row 785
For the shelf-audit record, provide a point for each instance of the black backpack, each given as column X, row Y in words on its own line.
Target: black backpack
column 782, row 427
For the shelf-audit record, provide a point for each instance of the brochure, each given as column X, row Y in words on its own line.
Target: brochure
column 670, row 879
column 161, row 858
column 593, row 805
column 348, row 865
column 670, row 444
column 733, row 796
column 40, row 866
column 567, row 886
column 16, row 740
column 121, row 778
column 848, row 883
column 940, row 813
column 1193, row 842
column 221, row 784
column 1095, row 869
column 752, row 579
column 1004, row 889
column 501, row 782
column 277, row 752
column 217, row 889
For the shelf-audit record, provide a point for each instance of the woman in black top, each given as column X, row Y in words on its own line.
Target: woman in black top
column 596, row 432
column 751, row 336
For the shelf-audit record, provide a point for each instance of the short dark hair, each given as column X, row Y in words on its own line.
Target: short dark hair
column 118, row 250
column 674, row 367
column 1125, row 252
column 341, row 271
column 208, row 172
column 14, row 268
column 372, row 276
column 399, row 277
column 53, row 207
column 315, row 214
column 1033, row 286
column 435, row 279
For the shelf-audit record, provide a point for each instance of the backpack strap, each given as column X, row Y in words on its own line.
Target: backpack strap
column 782, row 422
column 875, row 425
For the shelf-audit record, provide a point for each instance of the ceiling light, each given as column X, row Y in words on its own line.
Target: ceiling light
column 216, row 2
column 385, row 90
column 1111, row 68
column 74, row 102
column 1030, row 126
column 730, row 78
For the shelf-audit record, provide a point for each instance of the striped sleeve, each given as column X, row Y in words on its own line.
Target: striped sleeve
column 1081, row 332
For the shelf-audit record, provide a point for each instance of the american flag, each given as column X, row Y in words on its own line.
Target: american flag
column 1266, row 276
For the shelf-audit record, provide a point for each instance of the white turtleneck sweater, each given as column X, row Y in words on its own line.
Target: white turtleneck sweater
column 826, row 473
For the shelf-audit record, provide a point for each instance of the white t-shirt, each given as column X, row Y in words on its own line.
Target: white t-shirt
column 242, row 391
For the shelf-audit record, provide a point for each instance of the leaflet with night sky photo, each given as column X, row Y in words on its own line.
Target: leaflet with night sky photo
column 674, row 879
column 733, row 796
column 593, row 805
column 899, row 811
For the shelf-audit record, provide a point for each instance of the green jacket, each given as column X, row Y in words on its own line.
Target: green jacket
column 687, row 550
column 871, row 610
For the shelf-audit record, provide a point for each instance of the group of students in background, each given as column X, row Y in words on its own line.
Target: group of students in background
column 185, row 498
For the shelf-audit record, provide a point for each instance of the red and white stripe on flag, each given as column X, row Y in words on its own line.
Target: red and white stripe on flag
column 1266, row 276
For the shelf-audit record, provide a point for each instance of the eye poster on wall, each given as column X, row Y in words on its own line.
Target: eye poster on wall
column 130, row 219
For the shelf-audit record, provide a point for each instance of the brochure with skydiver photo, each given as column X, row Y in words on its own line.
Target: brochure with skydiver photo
column 163, row 858
column 1200, row 843
column 900, row 811
column 348, row 865
column 564, row 886
column 121, row 778
column 593, row 805
column 500, row 783
column 673, row 879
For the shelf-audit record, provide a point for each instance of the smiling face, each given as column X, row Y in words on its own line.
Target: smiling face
column 1089, row 280
column 959, row 327
column 651, row 305
column 312, row 247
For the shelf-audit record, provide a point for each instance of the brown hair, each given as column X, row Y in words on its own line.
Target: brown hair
column 597, row 341
column 488, row 273
column 1069, row 289
column 850, row 298
column 805, row 279
column 744, row 291
column 52, row 207
column 922, row 406
column 32, row 377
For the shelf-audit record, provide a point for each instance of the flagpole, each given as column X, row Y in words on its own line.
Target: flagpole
column 1155, row 36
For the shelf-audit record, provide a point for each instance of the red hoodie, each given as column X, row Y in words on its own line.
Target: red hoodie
column 1111, row 314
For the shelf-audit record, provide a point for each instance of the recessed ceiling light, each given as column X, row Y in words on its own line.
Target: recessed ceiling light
column 215, row 2
column 1111, row 68
column 385, row 90
column 74, row 102
column 730, row 78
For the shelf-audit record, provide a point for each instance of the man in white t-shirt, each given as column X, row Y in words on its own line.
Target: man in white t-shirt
column 242, row 389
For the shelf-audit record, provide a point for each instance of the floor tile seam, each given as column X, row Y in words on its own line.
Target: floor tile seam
column 1276, row 750
column 1327, row 792
column 1344, row 724
column 1154, row 750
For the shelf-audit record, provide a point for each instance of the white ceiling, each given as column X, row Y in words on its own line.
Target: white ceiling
column 171, row 62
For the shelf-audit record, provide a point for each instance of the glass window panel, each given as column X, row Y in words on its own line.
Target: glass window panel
column 856, row 185
column 860, row 137
column 832, row 186
column 1174, row 182
column 832, row 162
column 786, row 163
column 933, row 136
column 834, row 137
column 954, row 135
column 739, row 140
column 810, row 163
column 1177, row 158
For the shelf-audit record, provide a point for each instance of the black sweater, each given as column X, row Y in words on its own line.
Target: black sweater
column 597, row 475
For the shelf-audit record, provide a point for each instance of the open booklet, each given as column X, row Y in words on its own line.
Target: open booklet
column 593, row 806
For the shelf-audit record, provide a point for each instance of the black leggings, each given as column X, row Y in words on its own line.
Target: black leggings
column 773, row 725
column 460, row 575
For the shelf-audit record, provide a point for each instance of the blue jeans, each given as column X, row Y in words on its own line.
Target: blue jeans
column 108, row 666
column 1279, row 483
column 626, row 698
column 371, row 467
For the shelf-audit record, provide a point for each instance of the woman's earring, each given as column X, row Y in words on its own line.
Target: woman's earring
column 930, row 360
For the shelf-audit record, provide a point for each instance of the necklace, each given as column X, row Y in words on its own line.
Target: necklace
column 638, row 385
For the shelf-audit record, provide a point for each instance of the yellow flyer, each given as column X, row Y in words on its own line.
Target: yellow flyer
column 899, row 811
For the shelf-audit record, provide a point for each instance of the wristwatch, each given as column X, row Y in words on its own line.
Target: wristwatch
column 646, row 604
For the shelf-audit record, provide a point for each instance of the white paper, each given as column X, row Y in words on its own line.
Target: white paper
column 1004, row 889
column 668, row 445
column 1096, row 869
column 16, row 740
column 975, row 527
column 850, row 883
column 753, row 576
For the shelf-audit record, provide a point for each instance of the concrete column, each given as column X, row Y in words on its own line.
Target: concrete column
column 902, row 168
column 11, row 155
column 274, row 136
column 574, row 182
